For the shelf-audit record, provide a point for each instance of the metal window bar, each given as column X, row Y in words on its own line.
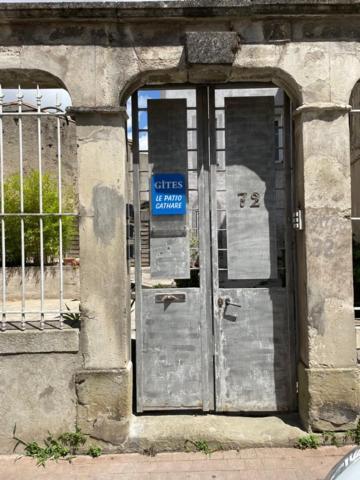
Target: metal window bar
column 20, row 97
column 61, row 271
column 40, row 115
column 41, row 220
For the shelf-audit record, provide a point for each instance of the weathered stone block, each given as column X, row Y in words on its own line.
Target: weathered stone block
column 211, row 47
column 217, row 73
column 277, row 31
column 37, row 395
column 104, row 403
column 329, row 398
column 47, row 341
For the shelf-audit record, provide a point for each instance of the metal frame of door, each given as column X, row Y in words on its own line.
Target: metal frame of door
column 209, row 286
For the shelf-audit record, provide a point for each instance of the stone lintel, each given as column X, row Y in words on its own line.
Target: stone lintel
column 101, row 110
column 46, row 341
column 322, row 107
column 211, row 47
column 173, row 9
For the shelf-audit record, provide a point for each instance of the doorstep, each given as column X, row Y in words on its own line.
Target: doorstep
column 159, row 433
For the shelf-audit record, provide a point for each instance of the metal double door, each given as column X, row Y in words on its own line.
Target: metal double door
column 214, row 310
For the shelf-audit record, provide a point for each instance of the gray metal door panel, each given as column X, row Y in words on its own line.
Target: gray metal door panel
column 171, row 351
column 174, row 364
column 170, row 257
column 254, row 351
column 252, row 315
column 250, row 193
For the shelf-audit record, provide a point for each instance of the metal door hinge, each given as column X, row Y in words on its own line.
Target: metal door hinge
column 297, row 220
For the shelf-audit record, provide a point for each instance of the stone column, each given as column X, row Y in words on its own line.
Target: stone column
column 328, row 373
column 104, row 386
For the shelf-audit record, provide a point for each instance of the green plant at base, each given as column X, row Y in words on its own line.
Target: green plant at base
column 31, row 204
column 357, row 433
column 307, row 441
column 200, row 446
column 73, row 440
column 64, row 447
column 353, row 435
column 349, row 436
column 94, row 451
column 53, row 450
column 330, row 438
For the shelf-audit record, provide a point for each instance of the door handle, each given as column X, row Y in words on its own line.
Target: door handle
column 170, row 298
column 226, row 301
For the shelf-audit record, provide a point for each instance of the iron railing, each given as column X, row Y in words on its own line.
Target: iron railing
column 18, row 314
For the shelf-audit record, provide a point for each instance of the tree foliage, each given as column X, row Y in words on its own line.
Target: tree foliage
column 50, row 199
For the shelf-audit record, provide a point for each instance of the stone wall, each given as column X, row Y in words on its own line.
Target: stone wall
column 71, row 280
column 37, row 388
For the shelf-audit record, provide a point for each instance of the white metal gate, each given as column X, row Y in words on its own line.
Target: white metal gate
column 38, row 211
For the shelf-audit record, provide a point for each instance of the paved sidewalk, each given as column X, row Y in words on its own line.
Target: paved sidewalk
column 249, row 464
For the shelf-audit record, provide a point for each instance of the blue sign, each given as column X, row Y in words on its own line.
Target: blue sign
column 168, row 194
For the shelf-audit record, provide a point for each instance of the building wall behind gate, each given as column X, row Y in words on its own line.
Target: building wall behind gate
column 101, row 60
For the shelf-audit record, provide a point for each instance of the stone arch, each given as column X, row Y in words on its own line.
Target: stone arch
column 30, row 78
column 212, row 74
